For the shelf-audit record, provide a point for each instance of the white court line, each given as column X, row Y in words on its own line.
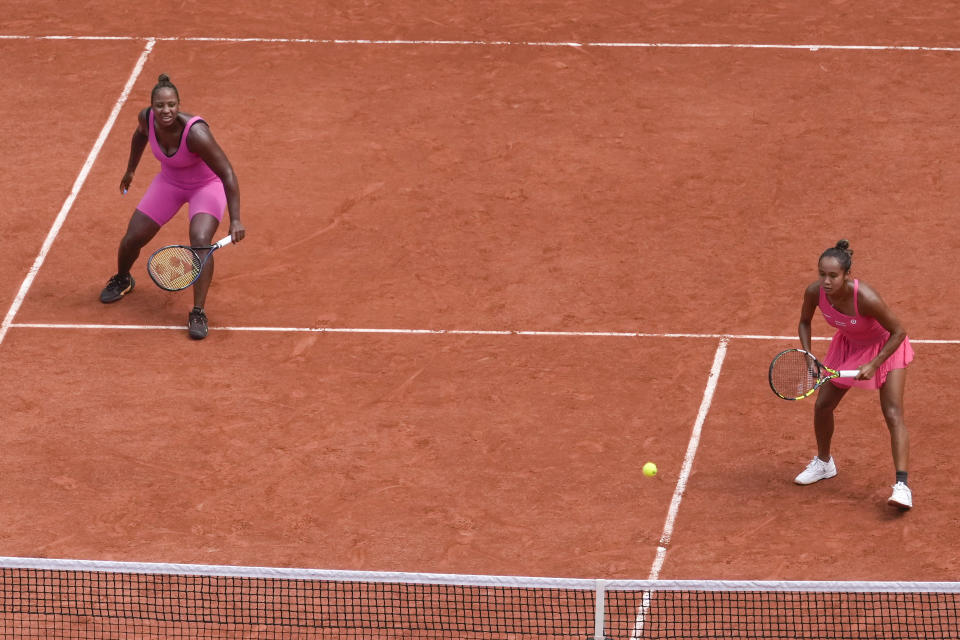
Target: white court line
column 452, row 332
column 77, row 185
column 125, row 327
column 506, row 43
column 678, row 491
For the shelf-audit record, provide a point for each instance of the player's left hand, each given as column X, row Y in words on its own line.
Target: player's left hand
column 866, row 371
column 237, row 231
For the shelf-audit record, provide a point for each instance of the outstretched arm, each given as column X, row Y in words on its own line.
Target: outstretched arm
column 201, row 142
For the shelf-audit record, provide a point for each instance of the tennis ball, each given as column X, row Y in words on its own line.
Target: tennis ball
column 649, row 469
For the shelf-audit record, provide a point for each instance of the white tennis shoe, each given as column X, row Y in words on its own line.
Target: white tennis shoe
column 816, row 471
column 901, row 497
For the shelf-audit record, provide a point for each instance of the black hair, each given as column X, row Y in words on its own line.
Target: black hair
column 163, row 82
column 842, row 253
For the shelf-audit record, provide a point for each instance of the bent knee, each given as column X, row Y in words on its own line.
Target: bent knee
column 823, row 406
column 136, row 239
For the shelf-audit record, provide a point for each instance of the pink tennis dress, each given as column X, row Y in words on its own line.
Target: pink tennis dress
column 857, row 341
column 184, row 178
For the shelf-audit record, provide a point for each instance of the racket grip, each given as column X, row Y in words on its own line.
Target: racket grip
column 849, row 373
column 223, row 242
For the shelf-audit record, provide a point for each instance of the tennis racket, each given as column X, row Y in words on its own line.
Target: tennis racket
column 176, row 266
column 795, row 374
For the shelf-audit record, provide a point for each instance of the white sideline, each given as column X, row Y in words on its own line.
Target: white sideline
column 77, row 185
column 681, row 486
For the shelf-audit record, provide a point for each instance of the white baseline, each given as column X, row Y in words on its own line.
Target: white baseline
column 504, row 43
column 450, row 332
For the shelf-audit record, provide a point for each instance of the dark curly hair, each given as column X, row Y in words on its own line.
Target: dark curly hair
column 842, row 253
column 163, row 82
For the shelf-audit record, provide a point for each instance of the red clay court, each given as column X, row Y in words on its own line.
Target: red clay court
column 499, row 255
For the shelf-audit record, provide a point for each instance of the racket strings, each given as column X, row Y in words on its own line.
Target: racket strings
column 175, row 267
column 794, row 374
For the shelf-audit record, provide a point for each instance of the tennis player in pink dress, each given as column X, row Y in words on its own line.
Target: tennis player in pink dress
column 870, row 339
column 193, row 170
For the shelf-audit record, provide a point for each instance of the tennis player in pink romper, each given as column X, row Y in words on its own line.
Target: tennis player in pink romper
column 870, row 339
column 194, row 171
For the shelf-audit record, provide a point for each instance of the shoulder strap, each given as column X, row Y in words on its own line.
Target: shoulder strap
column 186, row 129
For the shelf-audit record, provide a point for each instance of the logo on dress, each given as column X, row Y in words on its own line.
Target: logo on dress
column 833, row 321
column 853, row 321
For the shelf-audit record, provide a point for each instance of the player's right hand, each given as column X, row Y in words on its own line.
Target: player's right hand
column 125, row 181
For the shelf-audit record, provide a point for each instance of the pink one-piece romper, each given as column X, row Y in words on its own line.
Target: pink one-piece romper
column 184, row 178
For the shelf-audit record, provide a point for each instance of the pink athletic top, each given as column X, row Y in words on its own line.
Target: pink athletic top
column 856, row 328
column 184, row 168
column 857, row 341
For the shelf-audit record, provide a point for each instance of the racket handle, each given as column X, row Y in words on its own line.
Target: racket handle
column 223, row 242
column 849, row 373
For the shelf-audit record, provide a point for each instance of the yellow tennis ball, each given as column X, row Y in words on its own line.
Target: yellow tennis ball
column 649, row 469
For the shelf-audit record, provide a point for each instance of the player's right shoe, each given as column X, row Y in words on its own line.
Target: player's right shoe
column 117, row 287
column 901, row 497
column 816, row 471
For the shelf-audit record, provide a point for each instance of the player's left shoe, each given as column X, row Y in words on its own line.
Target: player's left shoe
column 902, row 497
column 197, row 324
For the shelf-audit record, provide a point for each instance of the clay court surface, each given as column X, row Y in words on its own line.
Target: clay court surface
column 448, row 343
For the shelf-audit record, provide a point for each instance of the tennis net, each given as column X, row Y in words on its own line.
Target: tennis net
column 44, row 598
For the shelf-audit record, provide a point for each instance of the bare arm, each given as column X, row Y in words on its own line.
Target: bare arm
column 811, row 298
column 137, row 144
column 871, row 304
column 200, row 141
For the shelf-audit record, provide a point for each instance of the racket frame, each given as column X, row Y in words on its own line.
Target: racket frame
column 821, row 369
column 195, row 251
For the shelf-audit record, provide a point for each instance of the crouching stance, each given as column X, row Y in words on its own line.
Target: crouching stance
column 870, row 338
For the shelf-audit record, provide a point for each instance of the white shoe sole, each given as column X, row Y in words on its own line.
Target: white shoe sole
column 899, row 505
column 803, row 484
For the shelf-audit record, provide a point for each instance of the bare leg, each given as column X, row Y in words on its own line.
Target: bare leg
column 202, row 228
column 891, row 402
column 140, row 231
column 828, row 398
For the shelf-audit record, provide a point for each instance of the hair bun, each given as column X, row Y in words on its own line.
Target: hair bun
column 844, row 246
column 163, row 78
